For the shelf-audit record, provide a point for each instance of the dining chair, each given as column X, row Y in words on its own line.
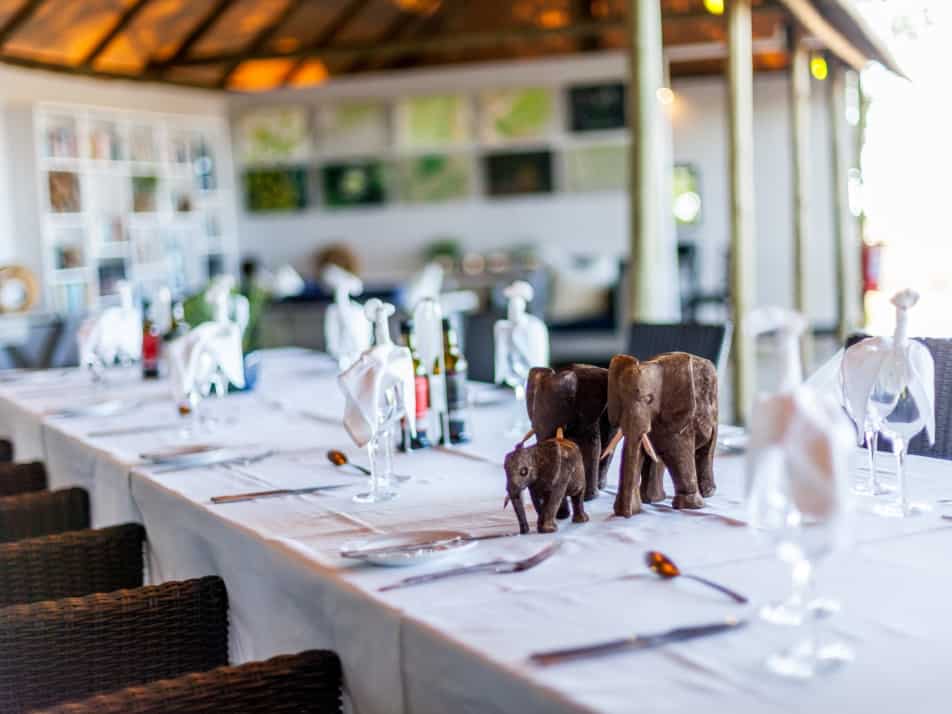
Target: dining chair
column 71, row 564
column 6, row 451
column 22, row 478
column 305, row 683
column 711, row 341
column 60, row 650
column 28, row 515
column 941, row 351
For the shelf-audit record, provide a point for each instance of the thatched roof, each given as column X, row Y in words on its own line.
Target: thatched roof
column 251, row 45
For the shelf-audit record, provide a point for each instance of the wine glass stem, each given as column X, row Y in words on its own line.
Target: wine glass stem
column 372, row 446
column 802, row 575
column 872, row 445
column 899, row 450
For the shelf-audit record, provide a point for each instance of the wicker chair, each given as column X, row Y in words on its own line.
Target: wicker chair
column 22, row 478
column 71, row 564
column 306, row 683
column 6, row 450
column 941, row 350
column 43, row 512
column 61, row 650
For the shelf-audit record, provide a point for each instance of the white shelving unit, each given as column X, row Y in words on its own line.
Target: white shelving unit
column 143, row 196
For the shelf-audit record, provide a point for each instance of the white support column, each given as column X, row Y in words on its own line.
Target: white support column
column 653, row 273
column 740, row 90
column 800, row 153
column 846, row 244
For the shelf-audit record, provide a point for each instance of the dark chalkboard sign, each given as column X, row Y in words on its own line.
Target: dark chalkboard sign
column 513, row 173
column 597, row 107
column 356, row 183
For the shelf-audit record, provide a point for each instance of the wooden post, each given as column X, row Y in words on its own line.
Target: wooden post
column 845, row 246
column 800, row 164
column 646, row 77
column 740, row 100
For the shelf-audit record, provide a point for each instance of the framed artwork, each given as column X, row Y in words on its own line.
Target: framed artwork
column 597, row 107
column 516, row 114
column 64, row 192
column 145, row 194
column 276, row 190
column 433, row 178
column 69, row 256
column 353, row 128
column 435, row 121
column 354, row 183
column 686, row 187
column 274, row 135
column 514, row 173
column 600, row 167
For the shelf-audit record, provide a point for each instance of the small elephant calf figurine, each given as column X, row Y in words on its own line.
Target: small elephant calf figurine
column 552, row 469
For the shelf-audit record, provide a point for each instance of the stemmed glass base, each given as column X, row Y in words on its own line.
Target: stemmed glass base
column 380, row 451
column 895, row 509
column 811, row 656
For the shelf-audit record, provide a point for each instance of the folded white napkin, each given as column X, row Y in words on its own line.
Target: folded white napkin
column 195, row 357
column 799, row 439
column 346, row 329
column 115, row 333
column 521, row 340
column 904, row 363
column 379, row 386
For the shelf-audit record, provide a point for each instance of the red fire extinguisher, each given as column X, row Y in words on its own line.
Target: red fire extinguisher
column 872, row 266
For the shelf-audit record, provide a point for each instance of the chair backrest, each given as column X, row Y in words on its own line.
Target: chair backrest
column 646, row 339
column 43, row 512
column 22, row 478
column 479, row 345
column 941, row 351
column 6, row 451
column 71, row 564
column 305, row 683
column 59, row 650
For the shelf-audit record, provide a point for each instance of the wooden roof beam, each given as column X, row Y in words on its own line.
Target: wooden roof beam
column 17, row 20
column 261, row 40
column 344, row 18
column 121, row 24
column 203, row 26
column 810, row 19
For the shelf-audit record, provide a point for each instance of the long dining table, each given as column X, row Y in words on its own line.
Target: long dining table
column 463, row 644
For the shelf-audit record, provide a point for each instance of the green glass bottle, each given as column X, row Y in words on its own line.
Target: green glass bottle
column 456, row 389
column 421, row 394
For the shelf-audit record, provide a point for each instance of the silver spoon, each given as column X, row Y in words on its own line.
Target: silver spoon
column 663, row 565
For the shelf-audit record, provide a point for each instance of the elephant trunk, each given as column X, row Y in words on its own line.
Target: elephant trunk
column 515, row 495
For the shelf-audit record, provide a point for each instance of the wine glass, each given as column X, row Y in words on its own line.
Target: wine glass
column 901, row 425
column 872, row 427
column 802, row 539
column 380, row 452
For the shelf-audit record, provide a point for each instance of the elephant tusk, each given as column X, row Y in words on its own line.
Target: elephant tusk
column 646, row 442
column 610, row 449
column 505, row 503
column 529, row 435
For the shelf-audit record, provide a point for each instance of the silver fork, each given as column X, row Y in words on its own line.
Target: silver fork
column 498, row 566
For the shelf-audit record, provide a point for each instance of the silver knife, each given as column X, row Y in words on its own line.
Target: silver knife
column 413, row 547
column 237, row 497
column 637, row 643
column 201, row 464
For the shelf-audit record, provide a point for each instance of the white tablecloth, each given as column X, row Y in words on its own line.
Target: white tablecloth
column 462, row 645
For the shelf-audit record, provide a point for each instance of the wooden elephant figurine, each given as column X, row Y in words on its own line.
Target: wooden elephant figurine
column 574, row 398
column 672, row 397
column 552, row 470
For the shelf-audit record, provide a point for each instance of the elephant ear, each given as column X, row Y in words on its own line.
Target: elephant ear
column 537, row 375
column 618, row 369
column 592, row 394
column 672, row 380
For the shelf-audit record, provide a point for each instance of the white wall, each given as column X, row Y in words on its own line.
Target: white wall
column 389, row 238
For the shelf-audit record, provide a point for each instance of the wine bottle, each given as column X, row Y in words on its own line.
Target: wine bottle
column 456, row 384
column 421, row 394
